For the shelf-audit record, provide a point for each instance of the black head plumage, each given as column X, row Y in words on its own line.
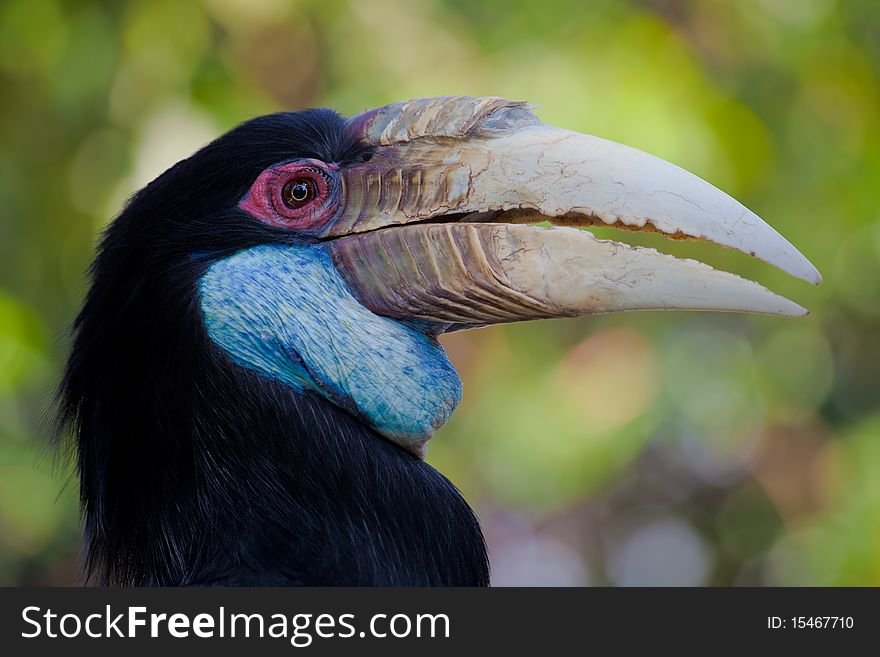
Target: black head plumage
column 194, row 470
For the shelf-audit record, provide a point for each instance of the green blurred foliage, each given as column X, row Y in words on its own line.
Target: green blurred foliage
column 753, row 442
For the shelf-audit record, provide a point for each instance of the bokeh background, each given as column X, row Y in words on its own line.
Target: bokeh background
column 664, row 448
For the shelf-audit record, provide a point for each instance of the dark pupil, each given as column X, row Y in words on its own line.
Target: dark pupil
column 298, row 192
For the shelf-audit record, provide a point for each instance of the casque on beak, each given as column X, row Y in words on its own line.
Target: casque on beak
column 435, row 226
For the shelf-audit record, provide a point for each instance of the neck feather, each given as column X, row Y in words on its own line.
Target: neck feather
column 195, row 470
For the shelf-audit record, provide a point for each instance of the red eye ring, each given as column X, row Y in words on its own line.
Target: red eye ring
column 302, row 195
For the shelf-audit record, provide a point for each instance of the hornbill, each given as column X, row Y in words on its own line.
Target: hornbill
column 256, row 371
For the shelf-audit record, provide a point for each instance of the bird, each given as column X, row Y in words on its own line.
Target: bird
column 255, row 371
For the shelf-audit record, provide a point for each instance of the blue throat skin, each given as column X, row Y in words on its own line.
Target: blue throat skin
column 284, row 311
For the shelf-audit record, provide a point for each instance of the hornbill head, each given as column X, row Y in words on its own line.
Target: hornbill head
column 256, row 369
column 431, row 230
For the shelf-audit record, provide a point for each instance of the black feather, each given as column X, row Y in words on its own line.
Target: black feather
column 194, row 470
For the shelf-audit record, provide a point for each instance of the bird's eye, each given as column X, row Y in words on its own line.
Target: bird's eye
column 298, row 192
column 300, row 195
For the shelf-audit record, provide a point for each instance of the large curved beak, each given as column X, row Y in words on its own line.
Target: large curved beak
column 435, row 226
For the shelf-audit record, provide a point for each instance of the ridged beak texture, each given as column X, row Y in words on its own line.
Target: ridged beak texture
column 435, row 225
